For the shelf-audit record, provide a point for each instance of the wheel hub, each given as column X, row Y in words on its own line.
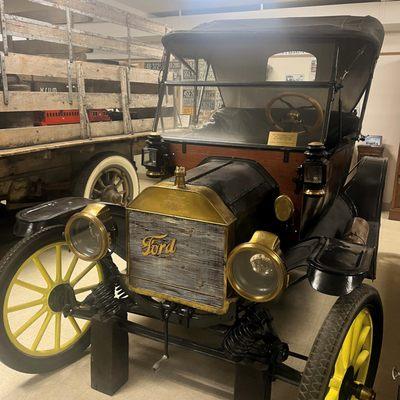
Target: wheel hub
column 60, row 296
column 111, row 195
column 351, row 388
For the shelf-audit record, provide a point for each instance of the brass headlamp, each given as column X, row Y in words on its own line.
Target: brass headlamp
column 89, row 233
column 256, row 270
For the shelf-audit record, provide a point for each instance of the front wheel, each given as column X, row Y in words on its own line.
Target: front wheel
column 38, row 276
column 347, row 348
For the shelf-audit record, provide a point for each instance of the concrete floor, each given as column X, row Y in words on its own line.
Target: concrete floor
column 188, row 375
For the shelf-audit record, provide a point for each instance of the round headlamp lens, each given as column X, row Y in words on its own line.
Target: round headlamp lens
column 256, row 272
column 89, row 232
column 86, row 238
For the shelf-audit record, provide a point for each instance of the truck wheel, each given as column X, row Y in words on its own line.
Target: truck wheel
column 108, row 177
column 347, row 348
column 37, row 277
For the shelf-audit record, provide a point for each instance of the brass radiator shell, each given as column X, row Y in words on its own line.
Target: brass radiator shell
column 178, row 242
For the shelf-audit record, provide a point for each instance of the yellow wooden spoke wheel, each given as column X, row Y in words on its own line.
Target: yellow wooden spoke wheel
column 353, row 360
column 39, row 277
column 344, row 359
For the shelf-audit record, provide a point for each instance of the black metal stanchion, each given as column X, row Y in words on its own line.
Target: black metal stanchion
column 109, row 354
column 252, row 383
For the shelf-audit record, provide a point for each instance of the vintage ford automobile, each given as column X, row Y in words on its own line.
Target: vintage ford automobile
column 257, row 206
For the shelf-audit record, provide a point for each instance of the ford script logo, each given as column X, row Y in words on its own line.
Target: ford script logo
column 158, row 245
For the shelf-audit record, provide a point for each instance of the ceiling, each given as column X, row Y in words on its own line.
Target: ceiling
column 187, row 7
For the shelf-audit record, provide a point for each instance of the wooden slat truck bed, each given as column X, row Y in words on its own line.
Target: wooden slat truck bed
column 55, row 154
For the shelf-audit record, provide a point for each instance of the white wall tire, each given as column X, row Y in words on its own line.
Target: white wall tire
column 108, row 177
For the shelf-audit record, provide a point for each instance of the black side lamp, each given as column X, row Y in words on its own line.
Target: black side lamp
column 155, row 156
column 315, row 170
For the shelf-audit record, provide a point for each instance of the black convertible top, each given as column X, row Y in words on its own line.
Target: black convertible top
column 346, row 49
column 366, row 29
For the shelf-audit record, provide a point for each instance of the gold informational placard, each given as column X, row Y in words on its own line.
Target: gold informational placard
column 282, row 139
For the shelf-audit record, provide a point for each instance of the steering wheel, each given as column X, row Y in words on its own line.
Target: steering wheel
column 294, row 115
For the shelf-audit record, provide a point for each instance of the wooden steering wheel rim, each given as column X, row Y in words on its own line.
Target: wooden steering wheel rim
column 320, row 112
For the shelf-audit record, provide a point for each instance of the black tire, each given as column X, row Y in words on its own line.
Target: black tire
column 93, row 169
column 11, row 355
column 321, row 362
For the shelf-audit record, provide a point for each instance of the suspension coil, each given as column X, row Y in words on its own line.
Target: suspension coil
column 252, row 338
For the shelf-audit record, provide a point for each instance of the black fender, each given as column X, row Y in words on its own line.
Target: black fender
column 365, row 188
column 335, row 266
column 365, row 191
column 58, row 212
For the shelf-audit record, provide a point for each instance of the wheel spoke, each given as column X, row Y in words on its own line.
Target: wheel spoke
column 119, row 181
column 42, row 330
column 83, row 273
column 71, row 268
column 361, row 341
column 336, row 382
column 30, row 286
column 289, row 105
column 114, row 176
column 346, row 349
column 84, row 289
column 101, row 182
column 333, row 394
column 58, row 263
column 24, row 306
column 42, row 271
column 357, row 326
column 362, row 358
column 75, row 325
column 28, row 323
column 57, row 332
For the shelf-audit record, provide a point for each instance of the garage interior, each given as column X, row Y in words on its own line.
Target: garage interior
column 186, row 374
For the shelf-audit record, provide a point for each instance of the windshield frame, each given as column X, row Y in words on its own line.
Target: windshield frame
column 333, row 87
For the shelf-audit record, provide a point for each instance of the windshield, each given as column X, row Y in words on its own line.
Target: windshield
column 285, row 106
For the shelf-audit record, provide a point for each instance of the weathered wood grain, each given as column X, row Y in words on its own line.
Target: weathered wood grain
column 33, row 29
column 50, row 67
column 40, row 101
column 95, row 9
column 13, row 138
column 194, row 274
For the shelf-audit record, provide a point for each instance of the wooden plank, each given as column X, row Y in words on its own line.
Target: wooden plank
column 40, row 101
column 125, row 100
column 4, row 32
column 15, row 139
column 83, row 116
column 22, row 64
column 70, row 143
column 98, row 10
column 32, row 29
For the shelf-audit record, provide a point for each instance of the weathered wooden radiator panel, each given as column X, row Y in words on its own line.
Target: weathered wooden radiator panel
column 178, row 259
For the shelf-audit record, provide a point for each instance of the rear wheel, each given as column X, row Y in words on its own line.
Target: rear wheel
column 38, row 276
column 346, row 351
column 108, row 177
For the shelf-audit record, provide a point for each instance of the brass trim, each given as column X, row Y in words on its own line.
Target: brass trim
column 194, row 203
column 197, row 203
column 315, row 192
column 284, row 208
column 91, row 212
column 180, row 174
column 179, row 300
column 267, row 243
